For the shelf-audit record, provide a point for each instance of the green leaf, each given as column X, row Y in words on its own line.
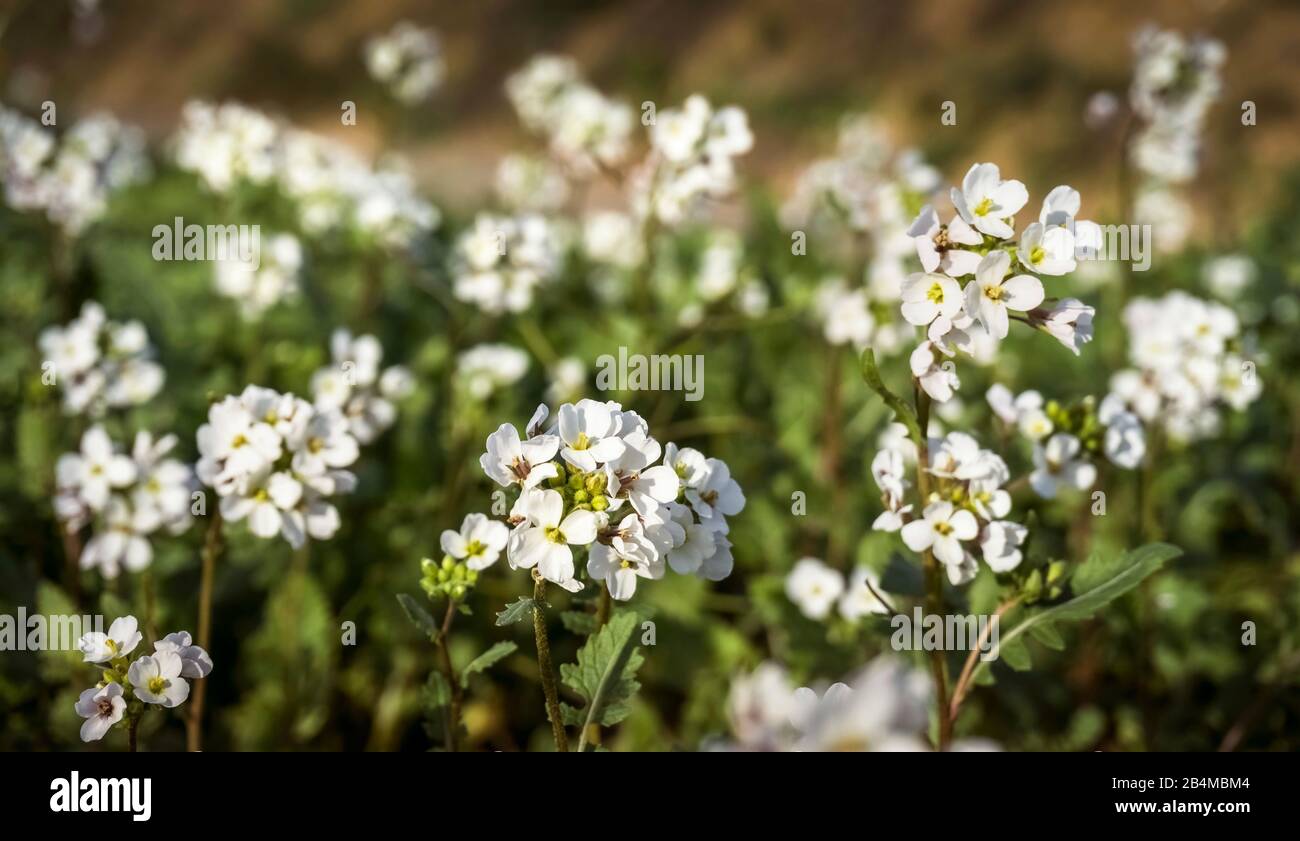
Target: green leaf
column 515, row 611
column 904, row 413
column 419, row 617
column 604, row 675
column 1046, row 633
column 437, row 692
column 484, row 661
column 1127, row 572
column 1016, row 655
column 579, row 621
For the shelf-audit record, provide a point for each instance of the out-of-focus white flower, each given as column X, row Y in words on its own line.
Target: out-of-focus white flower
column 408, row 59
column 814, row 587
column 1057, row 464
column 1228, row 275
column 487, row 367
column 845, row 314
column 585, row 130
column 356, row 385
column 274, row 279
column 501, row 260
column 101, row 364
column 858, row 599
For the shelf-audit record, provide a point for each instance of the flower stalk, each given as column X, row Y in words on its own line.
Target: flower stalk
column 544, row 664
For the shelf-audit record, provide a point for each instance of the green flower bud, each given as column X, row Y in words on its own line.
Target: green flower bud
column 577, row 480
column 599, row 503
column 581, row 496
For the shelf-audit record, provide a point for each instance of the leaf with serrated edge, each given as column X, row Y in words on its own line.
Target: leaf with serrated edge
column 419, row 617
column 1142, row 562
column 515, row 611
column 484, row 661
column 604, row 673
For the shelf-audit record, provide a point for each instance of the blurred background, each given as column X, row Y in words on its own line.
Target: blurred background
column 1162, row 670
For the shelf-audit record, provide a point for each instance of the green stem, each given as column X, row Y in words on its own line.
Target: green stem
column 131, row 724
column 211, row 550
column 544, row 664
column 453, row 709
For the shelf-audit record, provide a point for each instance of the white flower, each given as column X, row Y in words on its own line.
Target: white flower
column 814, row 587
column 942, row 530
column 1047, row 250
column 544, row 542
column 717, row 497
column 195, row 661
column 1069, row 321
column 408, row 59
column 479, row 541
column 487, row 367
column 102, row 708
column 101, row 364
column 510, row 461
column 760, row 705
column 619, row 565
column 589, row 434
column 157, row 679
column 887, row 470
column 846, row 314
column 938, row 378
column 97, row 470
column 1001, row 543
column 122, row 638
column 257, row 288
column 1055, row 466
column 986, row 202
column 930, row 296
column 937, row 244
column 1227, row 276
column 858, row 599
column 1125, row 440
column 992, row 293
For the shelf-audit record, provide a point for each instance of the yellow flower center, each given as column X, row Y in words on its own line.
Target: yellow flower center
column 583, row 442
column 935, row 295
column 1036, row 255
column 983, row 208
column 993, row 293
column 239, row 441
column 943, row 529
column 156, row 685
column 554, row 534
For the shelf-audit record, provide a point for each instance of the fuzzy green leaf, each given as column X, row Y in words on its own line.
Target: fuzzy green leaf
column 484, row 661
column 1129, row 571
column 578, row 621
column 604, row 675
column 515, row 611
column 419, row 617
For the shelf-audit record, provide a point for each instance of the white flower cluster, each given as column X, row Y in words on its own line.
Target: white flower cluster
column 585, row 130
column 692, row 159
column 101, row 364
column 72, row 179
column 870, row 189
column 967, row 506
column 596, row 480
column 333, row 187
column 277, row 461
column 530, row 184
column 356, row 386
column 611, row 238
column 816, row 588
column 226, row 144
column 1175, row 81
column 1187, row 363
column 1066, row 438
column 973, row 315
column 274, row 279
column 408, row 60
column 885, row 707
column 502, row 259
column 126, row 498
column 868, row 186
column 160, row 678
